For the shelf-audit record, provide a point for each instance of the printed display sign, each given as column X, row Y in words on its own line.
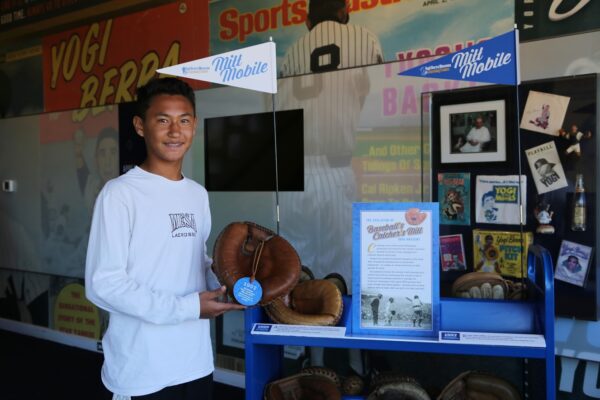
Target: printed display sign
column 395, row 269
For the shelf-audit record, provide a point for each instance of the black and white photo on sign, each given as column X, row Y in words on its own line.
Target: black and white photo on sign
column 544, row 112
column 573, row 262
column 393, row 309
column 473, row 132
column 546, row 168
column 499, row 199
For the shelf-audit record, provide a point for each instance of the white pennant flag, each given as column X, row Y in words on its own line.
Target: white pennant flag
column 253, row 68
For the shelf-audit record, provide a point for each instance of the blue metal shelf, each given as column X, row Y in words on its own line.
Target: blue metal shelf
column 264, row 352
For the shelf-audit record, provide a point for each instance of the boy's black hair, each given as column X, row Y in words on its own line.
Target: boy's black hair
column 325, row 10
column 156, row 87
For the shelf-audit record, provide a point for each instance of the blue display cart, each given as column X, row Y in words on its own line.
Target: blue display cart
column 264, row 353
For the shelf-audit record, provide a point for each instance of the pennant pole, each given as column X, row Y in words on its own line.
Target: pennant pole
column 522, row 217
column 275, row 152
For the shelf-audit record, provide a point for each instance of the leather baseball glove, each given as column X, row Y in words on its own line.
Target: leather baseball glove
column 303, row 387
column 313, row 302
column 486, row 285
column 479, row 386
column 245, row 249
column 405, row 389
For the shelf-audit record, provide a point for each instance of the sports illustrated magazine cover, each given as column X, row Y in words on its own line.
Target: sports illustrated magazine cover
column 572, row 263
column 546, row 169
column 497, row 199
column 501, row 252
column 452, row 253
column 454, row 195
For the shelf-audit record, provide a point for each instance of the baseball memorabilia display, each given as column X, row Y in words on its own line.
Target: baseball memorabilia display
column 499, row 199
column 573, row 263
column 454, row 196
column 544, row 112
column 259, row 259
column 502, row 252
column 546, row 168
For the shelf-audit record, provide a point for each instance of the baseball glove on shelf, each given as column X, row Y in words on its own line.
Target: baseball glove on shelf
column 303, row 386
column 405, row 389
column 479, row 386
column 486, row 285
column 245, row 249
column 313, row 302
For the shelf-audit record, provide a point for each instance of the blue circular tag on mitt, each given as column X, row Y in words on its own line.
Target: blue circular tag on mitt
column 247, row 293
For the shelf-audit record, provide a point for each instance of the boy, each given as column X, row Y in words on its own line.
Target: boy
column 147, row 263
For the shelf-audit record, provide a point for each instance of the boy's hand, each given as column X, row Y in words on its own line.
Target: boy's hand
column 210, row 306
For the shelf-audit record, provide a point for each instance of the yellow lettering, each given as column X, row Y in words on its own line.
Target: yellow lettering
column 57, row 57
column 89, row 87
column 71, row 57
column 88, row 55
column 107, row 88
column 105, row 38
column 128, row 73
column 149, row 64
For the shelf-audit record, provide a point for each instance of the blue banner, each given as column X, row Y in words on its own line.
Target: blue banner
column 492, row 61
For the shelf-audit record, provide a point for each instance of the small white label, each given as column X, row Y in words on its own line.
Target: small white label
column 299, row 330
column 496, row 339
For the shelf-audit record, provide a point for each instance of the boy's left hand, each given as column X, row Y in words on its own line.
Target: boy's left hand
column 210, row 306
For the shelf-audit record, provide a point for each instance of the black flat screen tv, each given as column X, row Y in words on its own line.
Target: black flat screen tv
column 239, row 152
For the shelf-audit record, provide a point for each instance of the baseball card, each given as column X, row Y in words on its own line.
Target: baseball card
column 572, row 263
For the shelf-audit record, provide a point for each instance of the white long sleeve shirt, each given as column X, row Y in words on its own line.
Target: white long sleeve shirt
column 146, row 263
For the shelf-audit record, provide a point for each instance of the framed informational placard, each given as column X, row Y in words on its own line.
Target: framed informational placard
column 395, row 274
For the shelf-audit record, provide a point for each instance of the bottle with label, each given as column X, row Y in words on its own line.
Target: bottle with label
column 579, row 204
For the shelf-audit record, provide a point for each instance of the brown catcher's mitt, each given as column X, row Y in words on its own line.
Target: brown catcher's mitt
column 245, row 249
column 314, row 302
column 486, row 285
column 405, row 389
column 479, row 386
column 303, row 387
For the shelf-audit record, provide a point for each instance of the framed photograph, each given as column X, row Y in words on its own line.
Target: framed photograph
column 572, row 263
column 452, row 253
column 395, row 269
column 473, row 132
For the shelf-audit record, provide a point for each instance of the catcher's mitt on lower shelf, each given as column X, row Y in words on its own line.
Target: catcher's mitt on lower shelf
column 314, row 302
column 406, row 389
column 303, row 387
column 486, row 285
column 479, row 386
column 245, row 249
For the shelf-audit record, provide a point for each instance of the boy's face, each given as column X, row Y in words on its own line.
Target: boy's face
column 168, row 129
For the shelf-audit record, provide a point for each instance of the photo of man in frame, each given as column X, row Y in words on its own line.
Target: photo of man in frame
column 473, row 132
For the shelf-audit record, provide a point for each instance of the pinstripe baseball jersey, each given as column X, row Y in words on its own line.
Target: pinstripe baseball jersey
column 329, row 46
